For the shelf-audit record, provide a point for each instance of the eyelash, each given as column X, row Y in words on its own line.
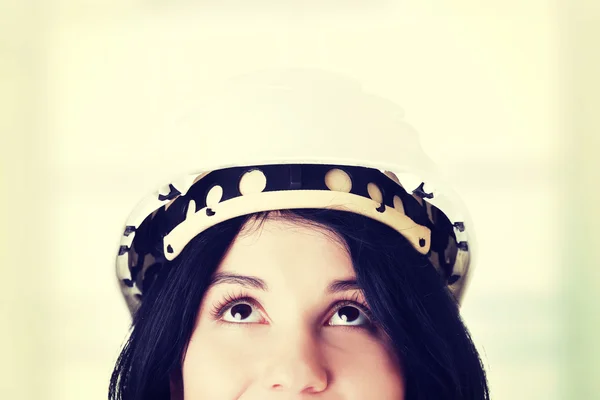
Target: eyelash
column 230, row 299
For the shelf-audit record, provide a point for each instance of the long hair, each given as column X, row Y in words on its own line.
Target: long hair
column 406, row 294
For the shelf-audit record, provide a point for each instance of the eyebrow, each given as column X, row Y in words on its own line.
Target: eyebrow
column 343, row 285
column 252, row 282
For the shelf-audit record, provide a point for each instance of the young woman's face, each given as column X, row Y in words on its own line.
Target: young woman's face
column 283, row 320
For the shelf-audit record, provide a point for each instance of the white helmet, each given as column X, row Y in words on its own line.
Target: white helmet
column 296, row 117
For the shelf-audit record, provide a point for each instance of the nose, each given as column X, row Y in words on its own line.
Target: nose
column 296, row 366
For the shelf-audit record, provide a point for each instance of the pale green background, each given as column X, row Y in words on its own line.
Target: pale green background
column 503, row 93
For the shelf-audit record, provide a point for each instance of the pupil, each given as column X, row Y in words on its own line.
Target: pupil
column 243, row 309
column 351, row 313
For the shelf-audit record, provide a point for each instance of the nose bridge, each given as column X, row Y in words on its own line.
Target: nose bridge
column 296, row 363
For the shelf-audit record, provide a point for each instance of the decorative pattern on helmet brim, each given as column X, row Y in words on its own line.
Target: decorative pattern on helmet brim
column 165, row 223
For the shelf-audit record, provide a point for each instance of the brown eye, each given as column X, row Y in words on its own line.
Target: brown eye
column 241, row 313
column 349, row 315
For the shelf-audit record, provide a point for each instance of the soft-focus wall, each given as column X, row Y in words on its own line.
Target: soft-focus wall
column 580, row 297
column 503, row 94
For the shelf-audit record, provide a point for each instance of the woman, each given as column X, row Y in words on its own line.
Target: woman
column 328, row 278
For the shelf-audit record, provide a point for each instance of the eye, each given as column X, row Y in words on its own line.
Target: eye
column 349, row 315
column 241, row 312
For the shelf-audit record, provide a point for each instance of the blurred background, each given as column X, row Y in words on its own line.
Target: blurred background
column 503, row 93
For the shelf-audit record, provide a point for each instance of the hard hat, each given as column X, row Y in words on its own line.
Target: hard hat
column 316, row 123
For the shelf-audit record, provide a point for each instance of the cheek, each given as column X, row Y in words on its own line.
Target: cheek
column 365, row 368
column 213, row 368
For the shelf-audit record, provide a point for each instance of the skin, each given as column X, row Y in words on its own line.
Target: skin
column 291, row 343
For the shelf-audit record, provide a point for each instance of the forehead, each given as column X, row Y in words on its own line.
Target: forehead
column 288, row 251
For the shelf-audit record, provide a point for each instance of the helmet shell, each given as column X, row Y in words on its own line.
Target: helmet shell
column 293, row 116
